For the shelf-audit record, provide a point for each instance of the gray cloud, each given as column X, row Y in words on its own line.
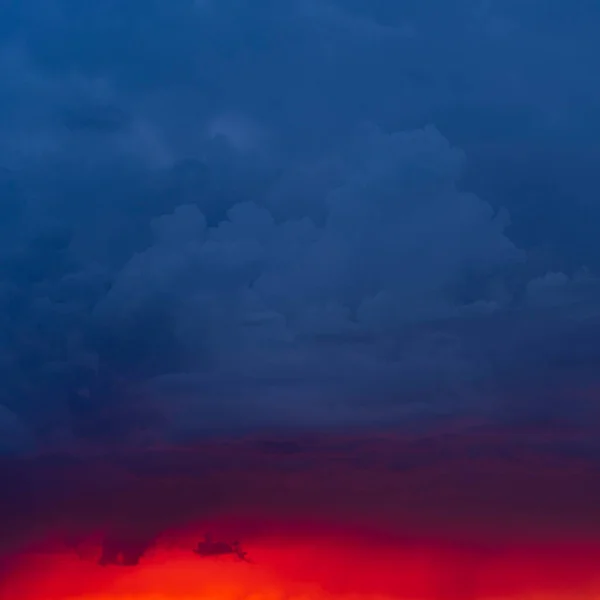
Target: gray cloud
column 230, row 216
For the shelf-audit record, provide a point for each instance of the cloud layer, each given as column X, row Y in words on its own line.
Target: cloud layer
column 222, row 217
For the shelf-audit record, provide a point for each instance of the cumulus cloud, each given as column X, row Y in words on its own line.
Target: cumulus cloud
column 293, row 214
column 260, row 297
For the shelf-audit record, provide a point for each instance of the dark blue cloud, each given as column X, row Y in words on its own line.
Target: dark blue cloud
column 222, row 216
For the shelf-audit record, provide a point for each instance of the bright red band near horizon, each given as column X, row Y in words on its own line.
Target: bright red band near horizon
column 376, row 519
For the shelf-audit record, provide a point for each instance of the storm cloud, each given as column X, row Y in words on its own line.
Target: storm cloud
column 223, row 217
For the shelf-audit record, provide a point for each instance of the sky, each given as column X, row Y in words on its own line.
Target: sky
column 320, row 276
column 224, row 218
column 450, row 516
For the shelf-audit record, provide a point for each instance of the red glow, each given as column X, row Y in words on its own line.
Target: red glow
column 324, row 565
column 321, row 526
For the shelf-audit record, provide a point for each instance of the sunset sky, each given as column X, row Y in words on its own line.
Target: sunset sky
column 454, row 515
column 318, row 276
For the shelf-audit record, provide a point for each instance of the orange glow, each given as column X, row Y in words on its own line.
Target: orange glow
column 317, row 567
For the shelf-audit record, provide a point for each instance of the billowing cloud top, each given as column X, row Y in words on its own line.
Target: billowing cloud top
column 222, row 217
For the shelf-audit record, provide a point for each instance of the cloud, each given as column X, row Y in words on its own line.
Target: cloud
column 257, row 298
column 294, row 214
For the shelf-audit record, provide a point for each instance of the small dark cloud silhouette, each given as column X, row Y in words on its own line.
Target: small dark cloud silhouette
column 123, row 552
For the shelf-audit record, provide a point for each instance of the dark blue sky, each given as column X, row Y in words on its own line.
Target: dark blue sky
column 222, row 216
